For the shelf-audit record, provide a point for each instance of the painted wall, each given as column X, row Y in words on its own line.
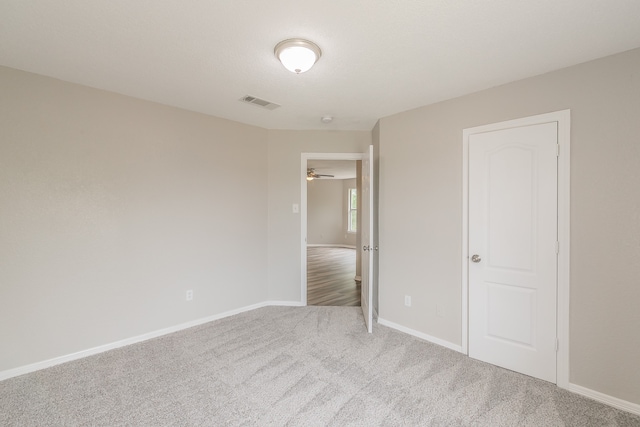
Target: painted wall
column 111, row 208
column 325, row 217
column 421, row 211
column 285, row 148
column 327, row 206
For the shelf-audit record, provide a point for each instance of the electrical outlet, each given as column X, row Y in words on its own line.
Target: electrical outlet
column 189, row 295
column 407, row 300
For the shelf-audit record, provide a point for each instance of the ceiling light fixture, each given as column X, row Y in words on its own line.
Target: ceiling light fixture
column 297, row 55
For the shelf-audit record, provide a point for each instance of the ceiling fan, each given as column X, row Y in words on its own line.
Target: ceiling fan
column 311, row 174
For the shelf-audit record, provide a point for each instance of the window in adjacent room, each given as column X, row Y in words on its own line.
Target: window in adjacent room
column 353, row 211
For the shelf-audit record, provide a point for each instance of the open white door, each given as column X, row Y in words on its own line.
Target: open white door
column 366, row 296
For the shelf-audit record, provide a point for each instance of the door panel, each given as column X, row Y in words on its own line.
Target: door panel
column 509, row 175
column 366, row 296
column 513, row 230
column 510, row 312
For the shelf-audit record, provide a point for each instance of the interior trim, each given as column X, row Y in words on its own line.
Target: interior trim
column 26, row 369
column 421, row 335
column 634, row 408
column 592, row 394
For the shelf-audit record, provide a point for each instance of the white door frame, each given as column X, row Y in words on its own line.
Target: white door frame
column 303, row 208
column 563, row 119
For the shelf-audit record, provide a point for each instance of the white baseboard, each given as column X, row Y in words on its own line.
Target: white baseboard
column 329, row 245
column 421, row 335
column 615, row 402
column 285, row 303
column 634, row 408
column 10, row 373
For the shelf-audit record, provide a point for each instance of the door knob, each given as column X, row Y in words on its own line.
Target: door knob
column 476, row 258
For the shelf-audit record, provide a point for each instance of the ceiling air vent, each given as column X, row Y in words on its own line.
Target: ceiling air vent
column 259, row 102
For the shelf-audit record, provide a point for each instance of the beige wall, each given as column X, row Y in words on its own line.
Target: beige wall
column 327, row 206
column 324, row 212
column 285, row 148
column 420, row 241
column 111, row 208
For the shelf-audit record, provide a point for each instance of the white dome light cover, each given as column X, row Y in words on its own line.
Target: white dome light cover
column 297, row 55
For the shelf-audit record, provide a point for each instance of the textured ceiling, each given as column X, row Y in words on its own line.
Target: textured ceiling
column 380, row 57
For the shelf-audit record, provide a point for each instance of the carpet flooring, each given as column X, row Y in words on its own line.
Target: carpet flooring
column 291, row 366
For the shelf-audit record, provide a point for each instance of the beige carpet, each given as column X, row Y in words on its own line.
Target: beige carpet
column 277, row 366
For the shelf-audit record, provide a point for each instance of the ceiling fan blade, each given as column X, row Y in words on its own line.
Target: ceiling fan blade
column 311, row 173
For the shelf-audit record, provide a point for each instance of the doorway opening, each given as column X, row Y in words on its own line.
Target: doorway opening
column 333, row 273
column 314, row 240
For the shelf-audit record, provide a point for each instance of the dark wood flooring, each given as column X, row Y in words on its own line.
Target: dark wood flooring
column 331, row 277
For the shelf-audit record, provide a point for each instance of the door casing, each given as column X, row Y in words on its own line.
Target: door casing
column 563, row 120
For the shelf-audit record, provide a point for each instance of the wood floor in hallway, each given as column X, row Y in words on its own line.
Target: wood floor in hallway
column 331, row 276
